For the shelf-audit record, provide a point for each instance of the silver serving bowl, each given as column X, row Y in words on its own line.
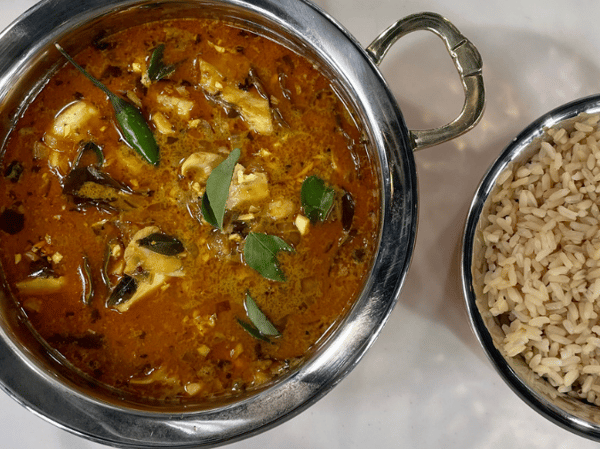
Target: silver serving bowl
column 28, row 58
column 570, row 413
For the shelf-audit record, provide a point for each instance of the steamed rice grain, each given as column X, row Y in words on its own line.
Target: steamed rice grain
column 541, row 277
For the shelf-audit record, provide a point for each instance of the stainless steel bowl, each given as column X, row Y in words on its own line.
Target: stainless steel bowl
column 28, row 57
column 569, row 413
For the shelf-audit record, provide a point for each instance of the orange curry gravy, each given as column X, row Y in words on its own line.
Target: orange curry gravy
column 181, row 339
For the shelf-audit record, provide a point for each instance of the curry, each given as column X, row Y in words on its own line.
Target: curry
column 208, row 260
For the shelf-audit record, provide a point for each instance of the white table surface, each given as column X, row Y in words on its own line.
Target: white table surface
column 426, row 382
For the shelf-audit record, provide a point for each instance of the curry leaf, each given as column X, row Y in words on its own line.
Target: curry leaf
column 207, row 211
column 260, row 253
column 85, row 274
column 124, row 290
column 90, row 147
column 258, row 318
column 105, row 262
column 162, row 244
column 253, row 331
column 259, row 327
column 132, row 124
column 217, row 190
column 317, row 198
column 157, row 69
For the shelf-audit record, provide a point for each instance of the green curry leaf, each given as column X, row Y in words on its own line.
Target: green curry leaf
column 259, row 327
column 157, row 69
column 317, row 198
column 260, row 253
column 253, row 331
column 132, row 124
column 207, row 211
column 217, row 190
column 258, row 318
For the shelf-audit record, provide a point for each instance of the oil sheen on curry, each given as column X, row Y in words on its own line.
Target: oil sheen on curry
column 208, row 257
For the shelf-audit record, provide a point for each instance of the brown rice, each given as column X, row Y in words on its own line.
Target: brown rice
column 541, row 243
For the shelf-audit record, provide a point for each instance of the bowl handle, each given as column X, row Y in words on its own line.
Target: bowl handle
column 466, row 59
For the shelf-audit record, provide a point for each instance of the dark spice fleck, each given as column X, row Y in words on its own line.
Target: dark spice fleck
column 241, row 228
column 11, row 221
column 95, row 315
column 14, row 171
column 112, row 71
column 359, row 255
column 222, row 306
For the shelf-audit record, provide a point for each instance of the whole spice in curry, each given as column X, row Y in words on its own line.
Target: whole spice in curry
column 208, row 257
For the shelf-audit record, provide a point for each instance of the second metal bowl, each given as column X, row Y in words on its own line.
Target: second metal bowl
column 569, row 413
